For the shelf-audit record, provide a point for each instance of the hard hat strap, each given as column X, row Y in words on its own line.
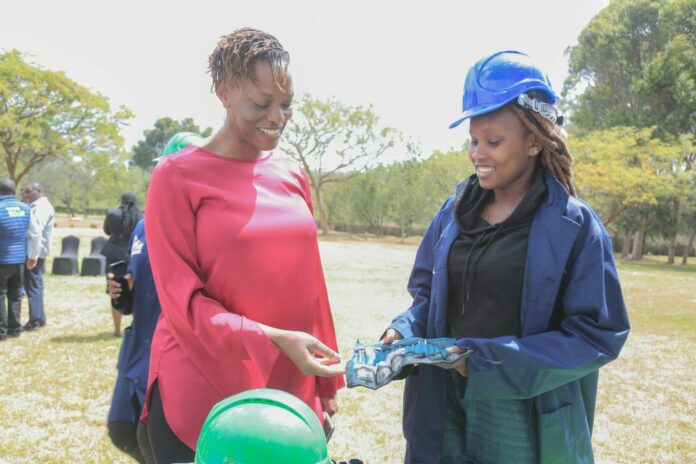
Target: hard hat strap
column 546, row 110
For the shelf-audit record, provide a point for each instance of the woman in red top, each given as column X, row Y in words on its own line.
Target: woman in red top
column 235, row 258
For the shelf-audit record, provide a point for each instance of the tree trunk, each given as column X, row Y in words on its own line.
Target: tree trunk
column 323, row 221
column 626, row 246
column 671, row 246
column 638, row 242
column 614, row 214
column 688, row 247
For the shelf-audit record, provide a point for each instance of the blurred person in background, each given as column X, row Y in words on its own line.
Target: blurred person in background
column 15, row 219
column 44, row 214
column 118, row 226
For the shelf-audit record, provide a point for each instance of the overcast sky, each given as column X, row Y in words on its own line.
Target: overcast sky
column 406, row 58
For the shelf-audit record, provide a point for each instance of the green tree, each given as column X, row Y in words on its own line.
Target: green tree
column 95, row 182
column 441, row 173
column 628, row 174
column 410, row 194
column 45, row 115
column 620, row 168
column 685, row 171
column 690, row 222
column 635, row 65
column 154, row 140
column 333, row 141
column 406, row 193
column 361, row 200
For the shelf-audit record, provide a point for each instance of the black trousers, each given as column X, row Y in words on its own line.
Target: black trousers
column 132, row 439
column 166, row 447
column 11, row 281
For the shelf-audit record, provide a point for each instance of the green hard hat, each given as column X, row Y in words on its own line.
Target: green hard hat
column 178, row 141
column 262, row 426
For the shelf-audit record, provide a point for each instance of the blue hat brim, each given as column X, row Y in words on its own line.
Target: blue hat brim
column 477, row 111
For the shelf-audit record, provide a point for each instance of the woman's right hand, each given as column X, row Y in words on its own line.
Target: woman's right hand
column 303, row 349
column 114, row 288
column 390, row 335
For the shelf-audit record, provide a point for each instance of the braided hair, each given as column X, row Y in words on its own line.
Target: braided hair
column 235, row 54
column 130, row 214
column 555, row 155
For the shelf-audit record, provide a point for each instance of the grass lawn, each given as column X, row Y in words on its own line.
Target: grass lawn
column 57, row 382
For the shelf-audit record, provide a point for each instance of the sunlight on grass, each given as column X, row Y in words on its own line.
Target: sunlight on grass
column 57, row 382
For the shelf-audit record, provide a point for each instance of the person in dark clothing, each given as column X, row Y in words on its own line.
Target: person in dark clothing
column 14, row 225
column 125, row 430
column 518, row 269
column 118, row 225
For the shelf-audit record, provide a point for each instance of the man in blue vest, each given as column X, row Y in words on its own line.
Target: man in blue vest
column 14, row 225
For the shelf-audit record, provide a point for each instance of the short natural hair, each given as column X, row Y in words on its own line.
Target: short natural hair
column 7, row 187
column 33, row 186
column 233, row 58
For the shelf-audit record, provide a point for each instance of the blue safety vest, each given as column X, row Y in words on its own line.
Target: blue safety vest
column 14, row 222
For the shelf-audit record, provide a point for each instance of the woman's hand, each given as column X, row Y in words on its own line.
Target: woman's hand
column 460, row 365
column 114, row 288
column 390, row 335
column 310, row 355
column 330, row 405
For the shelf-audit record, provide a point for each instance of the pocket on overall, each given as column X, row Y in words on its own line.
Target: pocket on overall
column 556, row 440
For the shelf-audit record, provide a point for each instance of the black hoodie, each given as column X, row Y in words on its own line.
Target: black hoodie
column 486, row 263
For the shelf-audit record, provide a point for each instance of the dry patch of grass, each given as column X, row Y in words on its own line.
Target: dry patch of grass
column 63, row 220
column 57, row 382
column 646, row 409
column 367, row 284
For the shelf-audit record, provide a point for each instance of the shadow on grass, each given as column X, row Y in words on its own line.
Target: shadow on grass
column 101, row 337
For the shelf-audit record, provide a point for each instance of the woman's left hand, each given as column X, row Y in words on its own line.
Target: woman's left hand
column 330, row 405
column 460, row 365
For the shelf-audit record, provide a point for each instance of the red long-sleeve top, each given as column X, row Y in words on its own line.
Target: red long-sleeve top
column 232, row 243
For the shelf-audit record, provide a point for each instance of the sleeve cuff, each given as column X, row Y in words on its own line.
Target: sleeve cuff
column 403, row 327
column 262, row 351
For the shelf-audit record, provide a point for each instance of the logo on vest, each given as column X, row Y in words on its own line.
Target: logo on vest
column 137, row 247
column 15, row 211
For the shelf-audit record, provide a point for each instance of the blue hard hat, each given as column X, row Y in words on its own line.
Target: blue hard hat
column 498, row 79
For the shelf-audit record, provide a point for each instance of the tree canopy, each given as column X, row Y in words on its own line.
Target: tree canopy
column 635, row 65
column 620, row 168
column 90, row 183
column 44, row 114
column 154, row 140
column 332, row 141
